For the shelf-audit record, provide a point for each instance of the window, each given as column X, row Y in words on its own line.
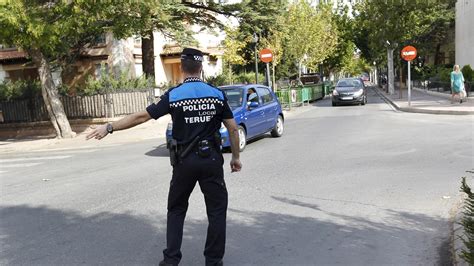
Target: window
column 265, row 95
column 252, row 95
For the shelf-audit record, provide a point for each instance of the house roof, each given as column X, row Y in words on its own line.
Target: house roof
column 6, row 55
column 175, row 50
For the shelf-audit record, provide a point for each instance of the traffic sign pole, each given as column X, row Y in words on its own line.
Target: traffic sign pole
column 266, row 56
column 408, row 53
column 268, row 75
column 409, row 84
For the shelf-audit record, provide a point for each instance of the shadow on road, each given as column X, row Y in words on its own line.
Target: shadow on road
column 45, row 236
column 159, row 151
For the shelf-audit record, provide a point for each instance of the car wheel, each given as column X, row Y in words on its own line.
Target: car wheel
column 364, row 101
column 279, row 128
column 242, row 138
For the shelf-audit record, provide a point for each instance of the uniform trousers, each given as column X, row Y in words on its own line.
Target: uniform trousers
column 209, row 173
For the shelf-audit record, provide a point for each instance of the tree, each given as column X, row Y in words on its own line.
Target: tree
column 342, row 59
column 56, row 32
column 233, row 50
column 260, row 17
column 172, row 19
column 50, row 32
column 312, row 35
column 390, row 24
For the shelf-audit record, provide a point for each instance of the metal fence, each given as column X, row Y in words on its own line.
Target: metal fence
column 440, row 86
column 77, row 107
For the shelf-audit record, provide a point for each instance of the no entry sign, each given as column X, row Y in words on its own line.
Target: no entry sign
column 408, row 53
column 266, row 55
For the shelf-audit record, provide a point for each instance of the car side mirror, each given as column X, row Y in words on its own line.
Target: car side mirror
column 252, row 105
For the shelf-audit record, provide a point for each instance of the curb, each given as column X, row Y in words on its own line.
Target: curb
column 386, row 99
column 421, row 111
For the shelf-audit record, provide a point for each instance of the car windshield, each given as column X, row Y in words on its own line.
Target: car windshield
column 234, row 96
column 348, row 83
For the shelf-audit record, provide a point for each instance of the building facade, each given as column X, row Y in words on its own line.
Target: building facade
column 465, row 33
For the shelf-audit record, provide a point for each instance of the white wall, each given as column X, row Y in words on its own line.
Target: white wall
column 465, row 32
column 3, row 74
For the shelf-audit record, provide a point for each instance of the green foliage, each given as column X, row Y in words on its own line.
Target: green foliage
column 424, row 24
column 21, row 89
column 241, row 78
column 444, row 74
column 107, row 83
column 468, row 223
column 219, row 80
column 311, row 32
column 248, row 78
column 468, row 73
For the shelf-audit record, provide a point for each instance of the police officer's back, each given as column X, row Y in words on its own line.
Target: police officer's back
column 197, row 110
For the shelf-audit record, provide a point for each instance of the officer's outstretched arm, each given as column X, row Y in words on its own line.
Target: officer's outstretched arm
column 233, row 130
column 124, row 123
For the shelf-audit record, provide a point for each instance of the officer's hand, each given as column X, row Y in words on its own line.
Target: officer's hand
column 98, row 132
column 235, row 165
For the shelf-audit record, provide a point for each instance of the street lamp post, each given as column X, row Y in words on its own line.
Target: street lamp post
column 255, row 40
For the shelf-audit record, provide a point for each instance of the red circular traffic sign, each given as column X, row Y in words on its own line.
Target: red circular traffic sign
column 408, row 53
column 266, row 55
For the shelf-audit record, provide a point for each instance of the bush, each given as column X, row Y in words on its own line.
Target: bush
column 242, row 78
column 110, row 84
column 21, row 89
column 219, row 80
column 444, row 74
column 248, row 78
column 468, row 224
column 468, row 73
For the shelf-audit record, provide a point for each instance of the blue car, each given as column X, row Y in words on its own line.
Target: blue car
column 256, row 109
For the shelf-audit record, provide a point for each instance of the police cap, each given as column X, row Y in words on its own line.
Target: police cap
column 192, row 54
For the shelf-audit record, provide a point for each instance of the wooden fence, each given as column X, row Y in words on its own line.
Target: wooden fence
column 77, row 107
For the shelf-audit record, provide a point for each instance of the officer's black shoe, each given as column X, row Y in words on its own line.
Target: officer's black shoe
column 164, row 263
column 220, row 263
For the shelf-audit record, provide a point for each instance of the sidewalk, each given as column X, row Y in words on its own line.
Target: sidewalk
column 152, row 129
column 428, row 102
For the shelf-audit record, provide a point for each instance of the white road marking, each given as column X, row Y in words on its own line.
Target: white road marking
column 35, row 158
column 77, row 148
column 18, row 165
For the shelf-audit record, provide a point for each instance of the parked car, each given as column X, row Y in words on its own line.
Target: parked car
column 256, row 109
column 349, row 91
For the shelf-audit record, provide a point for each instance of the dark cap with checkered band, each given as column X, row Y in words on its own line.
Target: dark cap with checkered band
column 192, row 54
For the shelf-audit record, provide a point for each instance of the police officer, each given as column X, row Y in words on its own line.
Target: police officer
column 197, row 110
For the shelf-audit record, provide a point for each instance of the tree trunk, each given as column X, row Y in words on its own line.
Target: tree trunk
column 50, row 96
column 437, row 54
column 148, row 56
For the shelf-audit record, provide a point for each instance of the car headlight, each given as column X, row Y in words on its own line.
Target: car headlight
column 334, row 92
column 358, row 93
column 170, row 125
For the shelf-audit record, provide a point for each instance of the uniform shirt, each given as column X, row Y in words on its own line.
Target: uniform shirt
column 196, row 108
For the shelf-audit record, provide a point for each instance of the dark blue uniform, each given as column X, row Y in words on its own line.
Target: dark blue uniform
column 197, row 110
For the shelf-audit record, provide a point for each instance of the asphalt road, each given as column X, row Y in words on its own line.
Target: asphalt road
column 352, row 185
